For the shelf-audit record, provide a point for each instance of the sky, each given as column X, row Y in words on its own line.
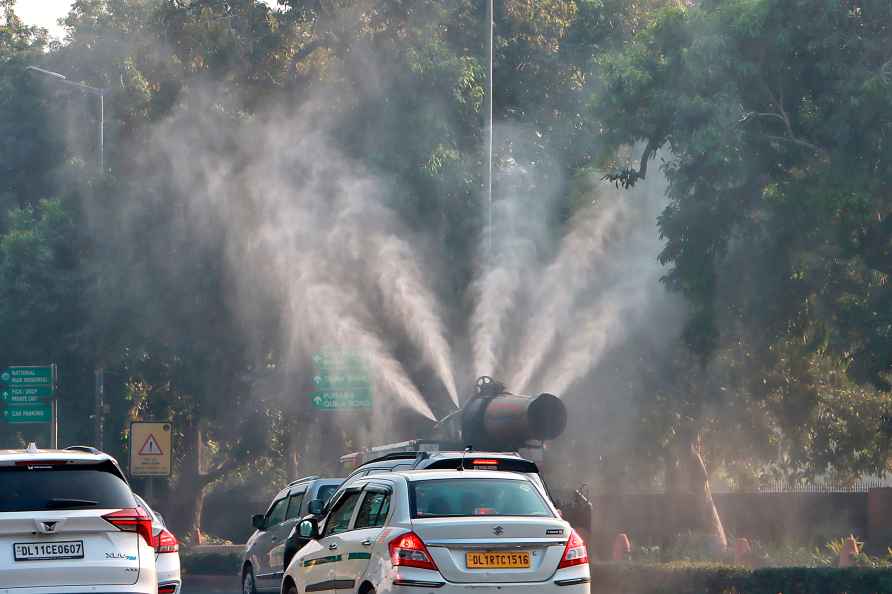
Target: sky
column 46, row 13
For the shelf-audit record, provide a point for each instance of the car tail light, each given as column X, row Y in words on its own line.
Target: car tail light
column 132, row 520
column 484, row 462
column 575, row 552
column 408, row 550
column 167, row 589
column 166, row 542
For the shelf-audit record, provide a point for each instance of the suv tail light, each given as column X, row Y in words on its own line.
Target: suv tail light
column 132, row 520
column 167, row 589
column 575, row 552
column 166, row 542
column 408, row 550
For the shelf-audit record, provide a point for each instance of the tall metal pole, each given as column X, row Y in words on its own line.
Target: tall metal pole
column 54, row 410
column 99, row 396
column 101, row 132
column 100, row 162
column 100, row 406
column 490, row 26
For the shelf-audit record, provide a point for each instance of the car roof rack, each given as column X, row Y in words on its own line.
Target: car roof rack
column 305, row 479
column 83, row 448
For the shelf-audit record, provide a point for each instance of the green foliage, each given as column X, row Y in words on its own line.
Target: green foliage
column 118, row 282
column 42, row 281
column 772, row 117
column 778, row 229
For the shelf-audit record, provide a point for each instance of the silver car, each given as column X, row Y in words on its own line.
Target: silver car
column 274, row 540
column 453, row 532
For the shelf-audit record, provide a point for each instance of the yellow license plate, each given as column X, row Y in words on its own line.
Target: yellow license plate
column 498, row 560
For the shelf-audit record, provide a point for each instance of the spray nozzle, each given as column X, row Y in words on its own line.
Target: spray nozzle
column 488, row 387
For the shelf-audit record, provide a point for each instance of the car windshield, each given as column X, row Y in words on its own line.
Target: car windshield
column 476, row 497
column 65, row 487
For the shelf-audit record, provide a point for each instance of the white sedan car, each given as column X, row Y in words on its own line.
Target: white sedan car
column 167, row 553
column 449, row 531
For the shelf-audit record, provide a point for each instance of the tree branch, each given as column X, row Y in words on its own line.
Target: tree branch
column 628, row 177
column 219, row 472
column 799, row 141
column 777, row 101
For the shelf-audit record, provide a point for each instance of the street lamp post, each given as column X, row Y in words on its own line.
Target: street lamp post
column 490, row 33
column 99, row 384
column 100, row 93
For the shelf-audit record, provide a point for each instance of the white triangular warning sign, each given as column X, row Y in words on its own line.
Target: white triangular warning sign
column 150, row 447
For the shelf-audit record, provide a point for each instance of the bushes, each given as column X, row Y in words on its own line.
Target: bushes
column 210, row 562
column 696, row 578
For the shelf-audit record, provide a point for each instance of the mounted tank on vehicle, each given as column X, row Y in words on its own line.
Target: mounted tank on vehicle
column 495, row 420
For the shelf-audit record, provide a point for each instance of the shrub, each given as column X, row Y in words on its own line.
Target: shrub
column 210, row 562
column 704, row 578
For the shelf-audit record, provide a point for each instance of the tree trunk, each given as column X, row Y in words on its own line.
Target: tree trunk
column 691, row 506
column 710, row 518
column 291, row 454
column 197, row 511
column 191, row 486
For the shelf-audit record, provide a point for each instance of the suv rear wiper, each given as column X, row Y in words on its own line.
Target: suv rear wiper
column 64, row 502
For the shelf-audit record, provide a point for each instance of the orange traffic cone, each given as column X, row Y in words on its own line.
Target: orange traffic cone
column 622, row 547
column 742, row 552
column 848, row 552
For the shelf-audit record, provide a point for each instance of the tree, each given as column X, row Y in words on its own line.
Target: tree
column 778, row 228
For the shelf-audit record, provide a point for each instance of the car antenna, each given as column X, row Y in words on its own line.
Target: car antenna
column 461, row 465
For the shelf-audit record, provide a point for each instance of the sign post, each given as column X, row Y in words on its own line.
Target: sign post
column 27, row 395
column 340, row 382
column 150, row 449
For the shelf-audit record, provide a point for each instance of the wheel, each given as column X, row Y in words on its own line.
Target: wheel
column 248, row 584
column 368, row 590
column 292, row 589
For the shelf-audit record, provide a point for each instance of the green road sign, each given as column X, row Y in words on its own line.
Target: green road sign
column 15, row 394
column 27, row 376
column 20, row 398
column 28, row 413
column 338, row 360
column 340, row 381
column 341, row 399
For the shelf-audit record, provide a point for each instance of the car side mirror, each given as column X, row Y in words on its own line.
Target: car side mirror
column 259, row 521
column 315, row 507
column 308, row 529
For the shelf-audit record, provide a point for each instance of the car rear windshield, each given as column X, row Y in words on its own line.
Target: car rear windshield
column 326, row 491
column 476, row 497
column 62, row 487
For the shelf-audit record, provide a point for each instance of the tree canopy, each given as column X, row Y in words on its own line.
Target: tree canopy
column 769, row 119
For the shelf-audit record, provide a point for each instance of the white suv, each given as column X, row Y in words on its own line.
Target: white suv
column 452, row 532
column 70, row 523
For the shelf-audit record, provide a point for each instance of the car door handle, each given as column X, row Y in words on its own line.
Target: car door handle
column 332, row 547
column 366, row 543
